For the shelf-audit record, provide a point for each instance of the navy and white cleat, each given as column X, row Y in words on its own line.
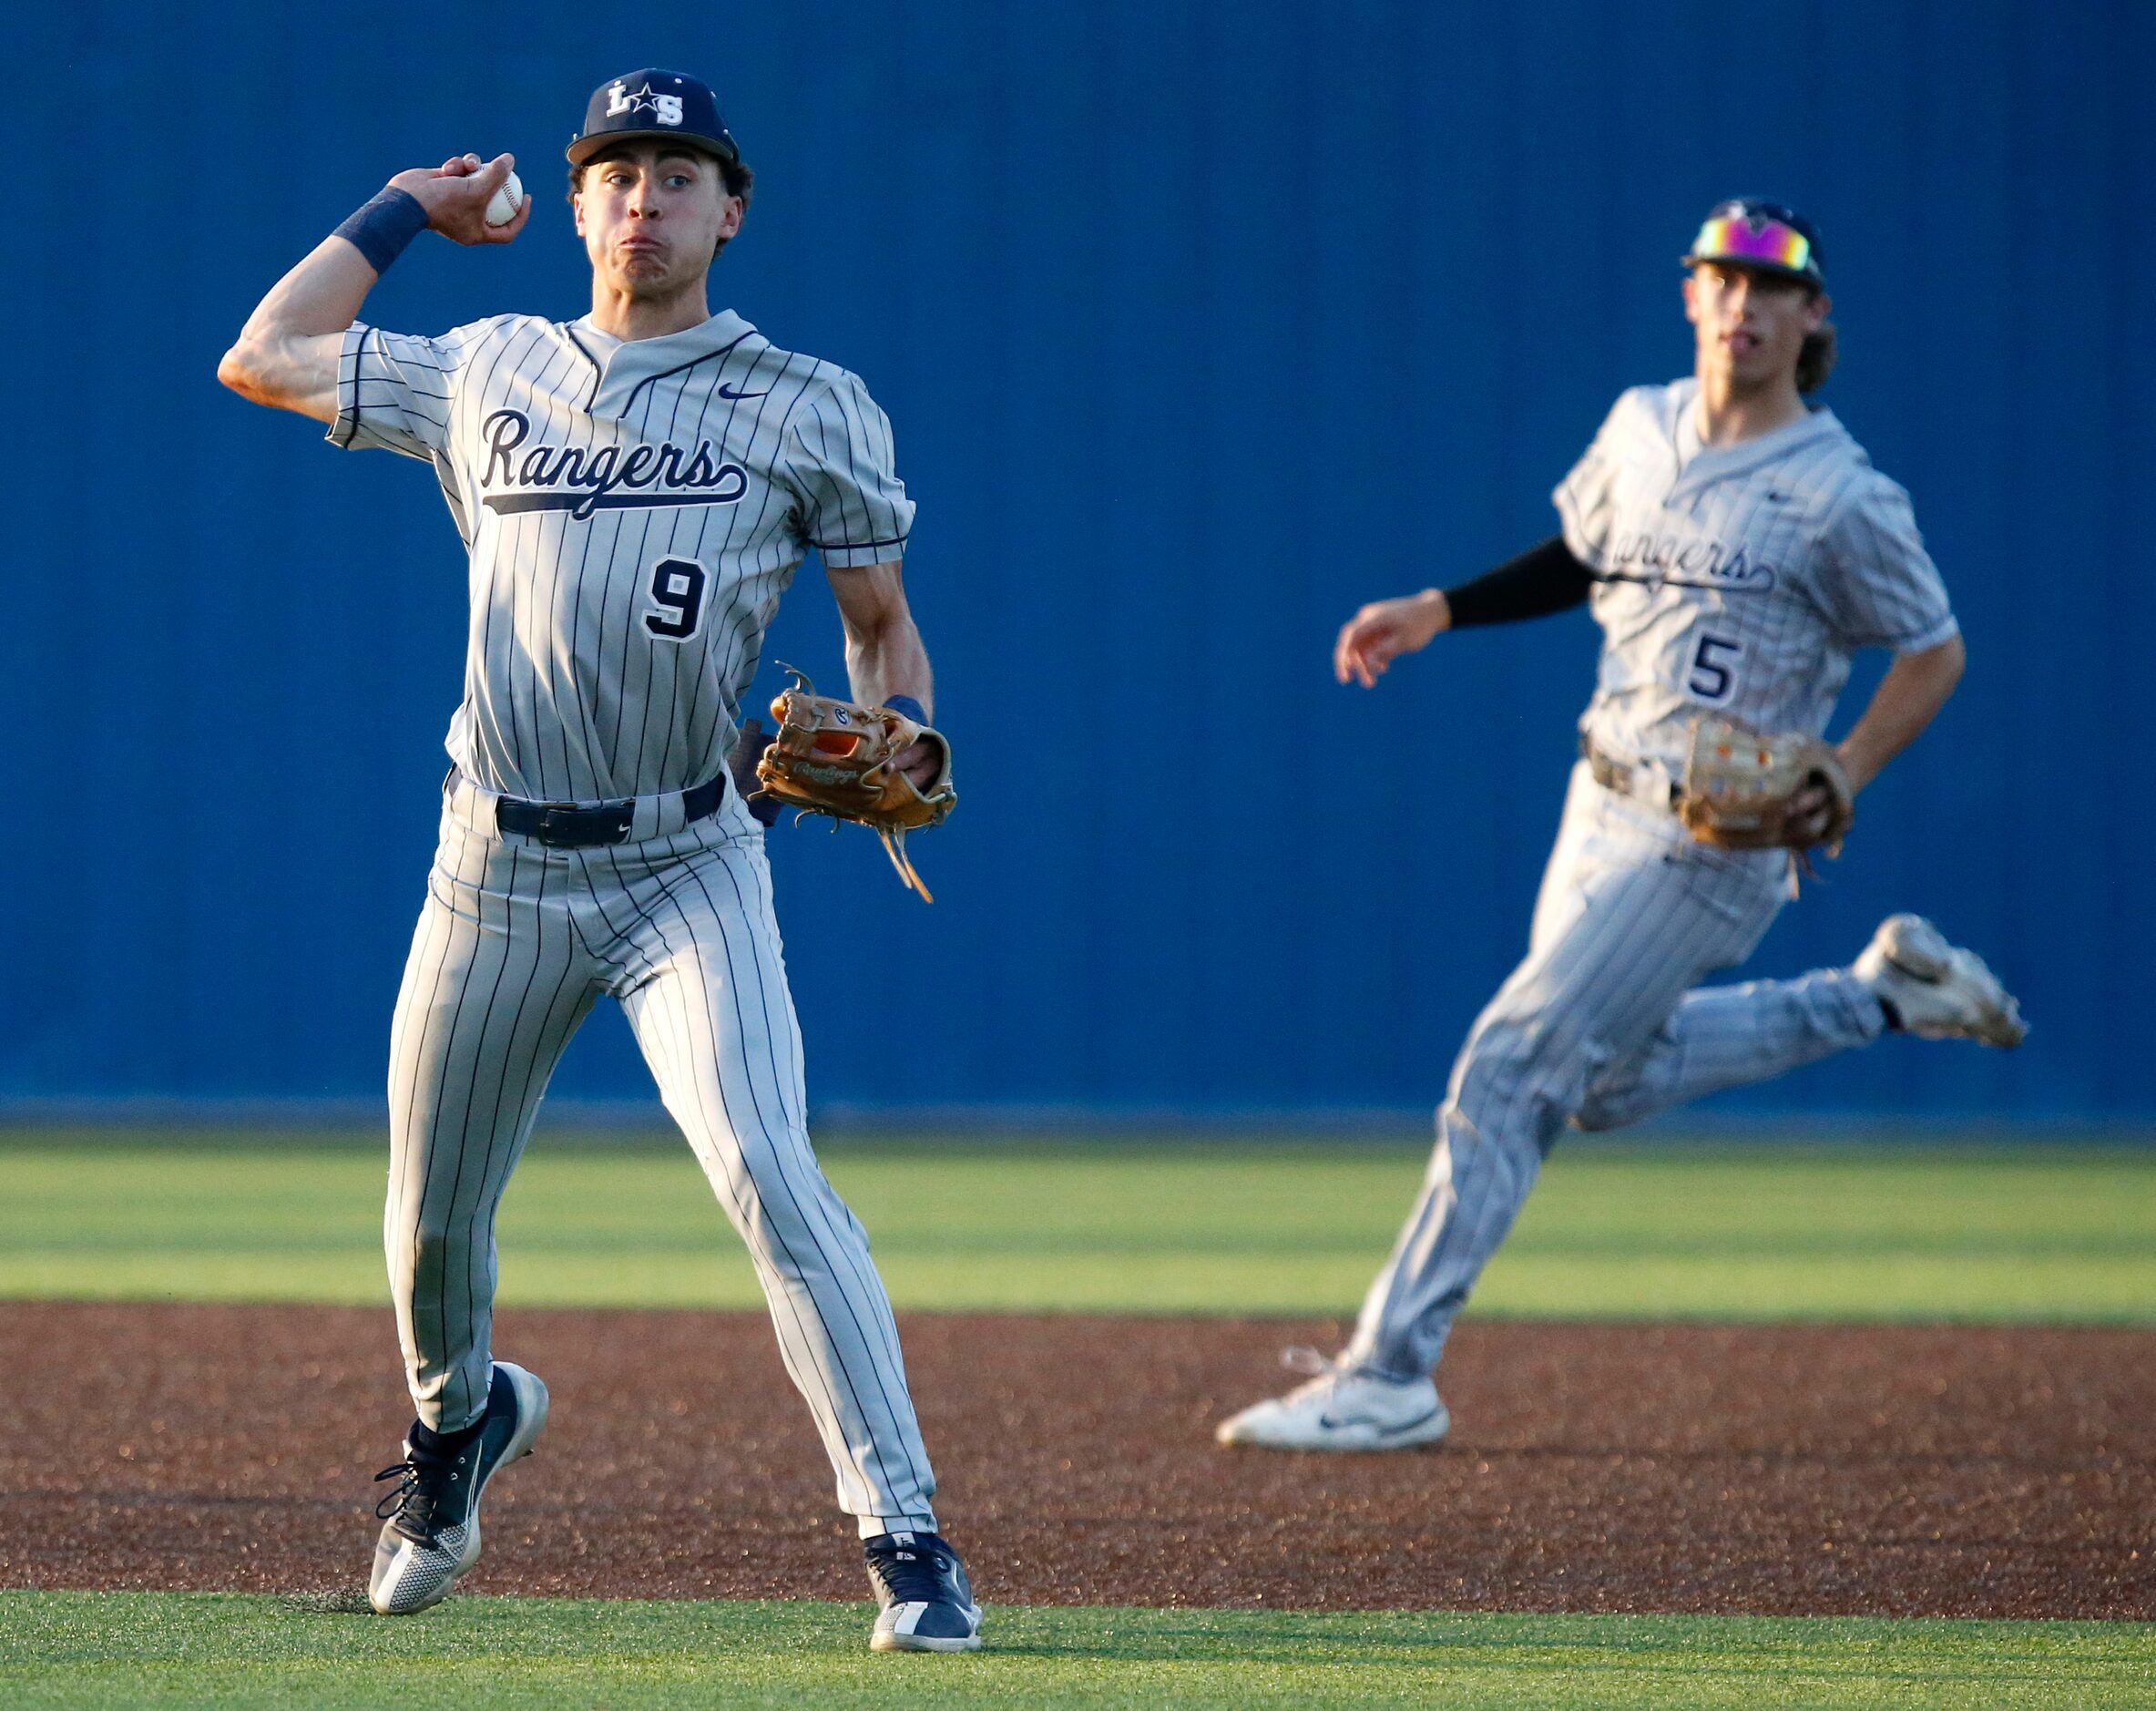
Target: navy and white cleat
column 927, row 1600
column 431, row 1535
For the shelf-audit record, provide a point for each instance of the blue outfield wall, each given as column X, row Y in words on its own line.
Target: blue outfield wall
column 1199, row 323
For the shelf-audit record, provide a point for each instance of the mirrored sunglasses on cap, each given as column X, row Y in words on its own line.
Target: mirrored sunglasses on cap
column 1747, row 238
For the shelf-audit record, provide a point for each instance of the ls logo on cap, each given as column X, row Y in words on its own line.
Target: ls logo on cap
column 666, row 108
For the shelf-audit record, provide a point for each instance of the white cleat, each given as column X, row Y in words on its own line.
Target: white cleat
column 1343, row 1411
column 1939, row 991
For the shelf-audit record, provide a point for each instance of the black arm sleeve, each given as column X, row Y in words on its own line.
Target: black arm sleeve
column 1543, row 579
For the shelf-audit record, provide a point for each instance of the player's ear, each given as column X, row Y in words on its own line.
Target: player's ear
column 730, row 215
column 1692, row 296
column 1817, row 311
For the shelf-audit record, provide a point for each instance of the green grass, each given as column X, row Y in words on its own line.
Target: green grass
column 1758, row 1232
column 475, row 1654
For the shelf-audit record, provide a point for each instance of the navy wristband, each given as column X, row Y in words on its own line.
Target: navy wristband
column 907, row 705
column 384, row 226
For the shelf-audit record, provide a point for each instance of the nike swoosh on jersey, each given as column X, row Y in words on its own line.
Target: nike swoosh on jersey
column 726, row 391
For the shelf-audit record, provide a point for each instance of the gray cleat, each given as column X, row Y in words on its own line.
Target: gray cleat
column 431, row 1535
column 926, row 1603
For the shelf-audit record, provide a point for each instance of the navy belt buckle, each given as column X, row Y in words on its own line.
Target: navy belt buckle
column 564, row 825
column 560, row 825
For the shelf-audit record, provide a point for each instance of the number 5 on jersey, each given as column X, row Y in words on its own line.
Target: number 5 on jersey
column 677, row 587
column 1713, row 668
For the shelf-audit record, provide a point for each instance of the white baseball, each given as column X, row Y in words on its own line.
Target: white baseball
column 502, row 209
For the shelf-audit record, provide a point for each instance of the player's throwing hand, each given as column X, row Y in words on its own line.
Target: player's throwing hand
column 455, row 195
column 1384, row 630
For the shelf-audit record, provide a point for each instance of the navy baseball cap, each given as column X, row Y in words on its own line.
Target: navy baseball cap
column 1763, row 235
column 653, row 103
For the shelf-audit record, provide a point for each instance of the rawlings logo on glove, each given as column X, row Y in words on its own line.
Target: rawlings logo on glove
column 834, row 757
column 1746, row 790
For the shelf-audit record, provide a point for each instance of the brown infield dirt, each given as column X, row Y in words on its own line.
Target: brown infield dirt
column 1880, row 1470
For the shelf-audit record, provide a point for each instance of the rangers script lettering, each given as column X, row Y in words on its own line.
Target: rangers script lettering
column 1653, row 558
column 703, row 480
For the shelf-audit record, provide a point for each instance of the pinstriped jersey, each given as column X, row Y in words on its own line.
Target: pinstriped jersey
column 632, row 512
column 1737, row 578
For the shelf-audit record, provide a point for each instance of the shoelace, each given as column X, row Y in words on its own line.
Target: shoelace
column 1302, row 1358
column 910, row 1574
column 423, row 1481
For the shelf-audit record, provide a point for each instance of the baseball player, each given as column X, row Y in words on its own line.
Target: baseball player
column 1736, row 547
column 635, row 489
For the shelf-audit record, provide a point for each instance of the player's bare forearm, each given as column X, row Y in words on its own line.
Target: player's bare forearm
column 1916, row 685
column 286, row 354
column 891, row 662
column 884, row 653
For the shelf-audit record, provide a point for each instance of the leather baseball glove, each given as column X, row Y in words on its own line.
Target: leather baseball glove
column 832, row 757
column 1746, row 789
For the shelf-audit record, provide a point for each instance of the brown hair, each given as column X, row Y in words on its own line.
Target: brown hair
column 738, row 176
column 1815, row 360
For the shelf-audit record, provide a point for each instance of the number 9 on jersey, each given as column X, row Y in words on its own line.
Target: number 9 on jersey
column 678, row 588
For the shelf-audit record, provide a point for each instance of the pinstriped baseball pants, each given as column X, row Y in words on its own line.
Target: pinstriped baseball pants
column 515, row 944
column 1599, row 1027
